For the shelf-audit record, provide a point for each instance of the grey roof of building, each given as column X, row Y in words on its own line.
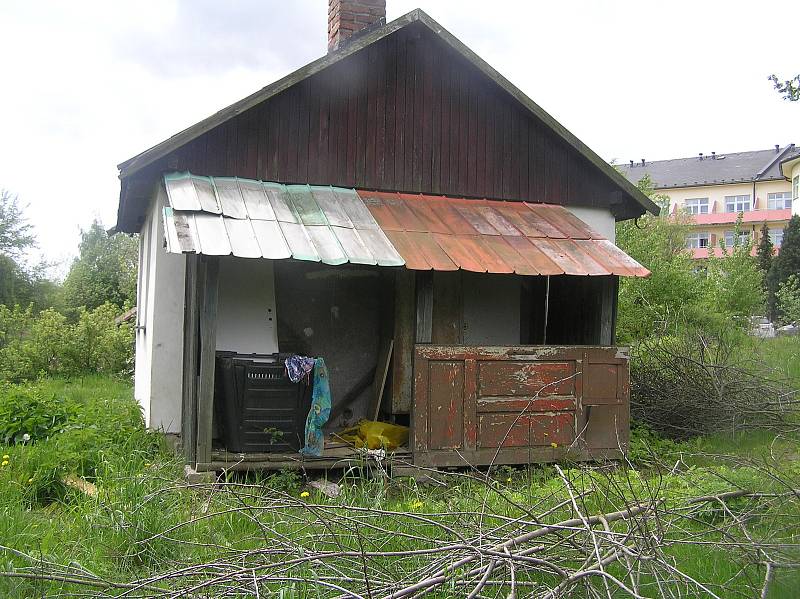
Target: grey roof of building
column 721, row 169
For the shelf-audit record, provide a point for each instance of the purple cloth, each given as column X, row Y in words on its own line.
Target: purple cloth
column 298, row 367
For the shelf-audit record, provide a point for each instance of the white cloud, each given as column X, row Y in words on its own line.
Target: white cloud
column 87, row 85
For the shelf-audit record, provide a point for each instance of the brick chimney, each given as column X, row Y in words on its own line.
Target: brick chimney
column 347, row 17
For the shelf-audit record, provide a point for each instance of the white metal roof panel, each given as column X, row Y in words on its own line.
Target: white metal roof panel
column 223, row 216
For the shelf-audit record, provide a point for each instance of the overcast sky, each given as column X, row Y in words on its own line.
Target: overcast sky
column 88, row 84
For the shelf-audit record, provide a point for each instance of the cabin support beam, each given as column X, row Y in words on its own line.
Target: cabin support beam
column 190, row 345
column 208, row 345
column 404, row 337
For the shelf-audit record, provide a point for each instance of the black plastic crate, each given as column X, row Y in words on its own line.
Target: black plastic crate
column 259, row 408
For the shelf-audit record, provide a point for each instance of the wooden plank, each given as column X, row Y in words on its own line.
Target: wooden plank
column 368, row 140
column 427, row 107
column 404, row 334
column 529, row 379
column 504, row 430
column 445, row 404
column 447, row 310
column 527, row 404
column 470, row 403
column 602, row 384
column 381, row 373
column 608, row 309
column 419, row 437
column 424, row 285
column 190, row 345
column 208, row 346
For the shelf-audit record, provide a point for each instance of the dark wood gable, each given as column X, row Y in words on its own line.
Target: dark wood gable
column 406, row 113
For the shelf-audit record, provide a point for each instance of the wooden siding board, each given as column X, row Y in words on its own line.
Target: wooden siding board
column 406, row 114
column 371, row 105
column 389, row 147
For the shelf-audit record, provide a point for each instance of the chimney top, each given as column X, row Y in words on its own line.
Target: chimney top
column 348, row 17
column 701, row 155
column 713, row 155
column 642, row 161
column 631, row 163
column 777, row 147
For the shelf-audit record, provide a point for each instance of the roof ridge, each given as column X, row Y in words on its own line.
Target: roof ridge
column 726, row 154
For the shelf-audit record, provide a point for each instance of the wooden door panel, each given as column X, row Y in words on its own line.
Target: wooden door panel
column 504, row 430
column 529, row 379
column 516, row 404
column 446, row 405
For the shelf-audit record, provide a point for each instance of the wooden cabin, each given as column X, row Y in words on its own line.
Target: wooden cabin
column 396, row 193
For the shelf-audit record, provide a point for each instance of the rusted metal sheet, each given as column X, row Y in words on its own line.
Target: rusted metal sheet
column 224, row 216
column 495, row 405
column 495, row 237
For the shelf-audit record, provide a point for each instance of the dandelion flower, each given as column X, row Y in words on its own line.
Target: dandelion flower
column 147, row 464
column 508, row 480
column 305, row 494
column 554, row 445
column 5, row 463
column 6, row 457
column 416, row 504
column 30, row 480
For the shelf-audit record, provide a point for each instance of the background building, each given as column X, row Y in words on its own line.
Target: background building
column 715, row 188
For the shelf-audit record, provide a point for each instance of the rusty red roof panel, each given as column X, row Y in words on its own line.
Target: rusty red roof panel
column 441, row 233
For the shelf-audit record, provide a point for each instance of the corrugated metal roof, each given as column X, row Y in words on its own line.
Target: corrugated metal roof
column 223, row 216
column 251, row 219
column 440, row 233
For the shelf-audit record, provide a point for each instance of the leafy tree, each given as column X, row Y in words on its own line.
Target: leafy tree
column 789, row 89
column 673, row 294
column 24, row 285
column 734, row 281
column 104, row 271
column 15, row 232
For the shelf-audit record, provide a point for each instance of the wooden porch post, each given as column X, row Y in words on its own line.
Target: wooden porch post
column 190, row 344
column 208, row 347
column 608, row 309
column 404, row 337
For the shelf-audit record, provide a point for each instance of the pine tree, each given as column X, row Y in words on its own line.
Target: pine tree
column 765, row 250
column 785, row 264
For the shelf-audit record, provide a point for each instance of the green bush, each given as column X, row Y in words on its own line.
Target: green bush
column 28, row 414
column 48, row 344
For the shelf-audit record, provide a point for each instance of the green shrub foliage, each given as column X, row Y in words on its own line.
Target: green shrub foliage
column 47, row 343
column 27, row 413
column 682, row 292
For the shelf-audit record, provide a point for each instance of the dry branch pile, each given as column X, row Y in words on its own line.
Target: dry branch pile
column 697, row 383
column 601, row 532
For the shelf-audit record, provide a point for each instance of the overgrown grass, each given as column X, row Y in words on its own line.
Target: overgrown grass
column 143, row 520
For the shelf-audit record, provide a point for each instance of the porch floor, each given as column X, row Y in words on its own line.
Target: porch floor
column 335, row 455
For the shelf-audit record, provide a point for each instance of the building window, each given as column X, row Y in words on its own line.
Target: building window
column 796, row 187
column 737, row 203
column 779, row 200
column 776, row 237
column 744, row 237
column 697, row 206
column 697, row 240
